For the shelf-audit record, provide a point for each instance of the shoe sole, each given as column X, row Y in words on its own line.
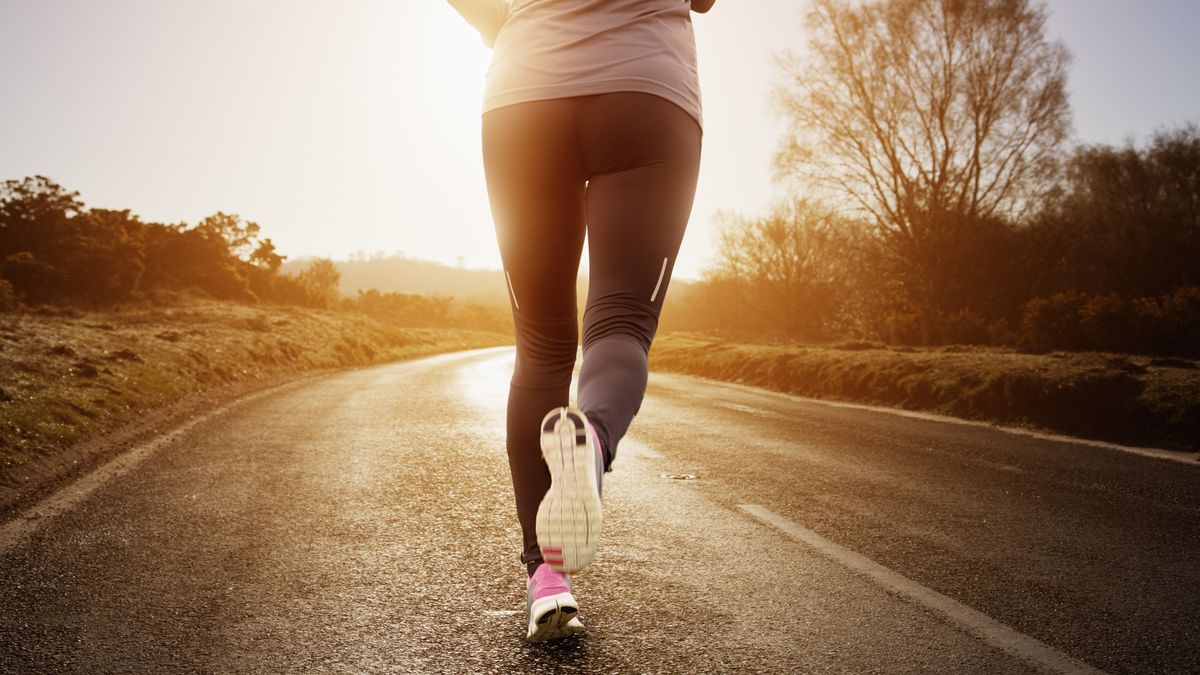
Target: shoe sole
column 553, row 617
column 569, row 518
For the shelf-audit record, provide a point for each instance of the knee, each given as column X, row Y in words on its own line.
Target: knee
column 545, row 352
column 624, row 318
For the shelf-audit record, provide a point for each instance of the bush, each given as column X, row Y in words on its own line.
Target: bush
column 320, row 280
column 404, row 309
column 1168, row 324
column 905, row 328
column 965, row 327
column 927, row 328
column 32, row 279
column 1108, row 323
column 1052, row 323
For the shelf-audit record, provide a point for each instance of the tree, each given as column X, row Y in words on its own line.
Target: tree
column 52, row 249
column 930, row 116
column 103, row 256
column 321, row 279
column 238, row 236
column 1128, row 219
column 34, row 210
column 262, row 271
column 786, row 269
column 265, row 256
column 911, row 107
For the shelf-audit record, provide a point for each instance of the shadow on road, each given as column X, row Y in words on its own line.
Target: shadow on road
column 557, row 655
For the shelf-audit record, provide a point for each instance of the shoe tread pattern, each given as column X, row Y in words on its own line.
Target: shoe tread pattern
column 569, row 517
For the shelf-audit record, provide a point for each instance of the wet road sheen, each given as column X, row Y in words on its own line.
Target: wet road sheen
column 363, row 522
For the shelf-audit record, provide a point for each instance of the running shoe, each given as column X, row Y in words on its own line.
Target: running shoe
column 553, row 611
column 568, row 519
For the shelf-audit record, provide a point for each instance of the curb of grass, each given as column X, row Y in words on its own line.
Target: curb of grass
column 1119, row 399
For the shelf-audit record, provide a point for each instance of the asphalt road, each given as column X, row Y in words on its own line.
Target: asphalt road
column 363, row 523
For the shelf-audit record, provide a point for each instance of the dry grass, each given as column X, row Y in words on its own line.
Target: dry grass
column 70, row 376
column 1126, row 399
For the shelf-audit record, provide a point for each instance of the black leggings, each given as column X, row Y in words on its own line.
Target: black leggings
column 622, row 167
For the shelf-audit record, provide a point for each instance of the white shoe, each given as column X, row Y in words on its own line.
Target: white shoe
column 568, row 519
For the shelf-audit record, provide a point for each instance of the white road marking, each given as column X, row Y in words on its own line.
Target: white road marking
column 744, row 408
column 976, row 623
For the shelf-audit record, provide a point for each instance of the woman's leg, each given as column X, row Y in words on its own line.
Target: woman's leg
column 536, row 188
column 642, row 156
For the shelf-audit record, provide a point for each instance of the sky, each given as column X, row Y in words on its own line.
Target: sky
column 353, row 126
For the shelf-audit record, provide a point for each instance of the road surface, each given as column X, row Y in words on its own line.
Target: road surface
column 362, row 522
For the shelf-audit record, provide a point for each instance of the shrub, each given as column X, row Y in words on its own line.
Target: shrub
column 1052, row 323
column 34, row 280
column 905, row 327
column 1108, row 323
column 930, row 327
column 965, row 327
column 1168, row 324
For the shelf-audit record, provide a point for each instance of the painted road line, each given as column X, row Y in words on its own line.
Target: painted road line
column 993, row 632
column 745, row 409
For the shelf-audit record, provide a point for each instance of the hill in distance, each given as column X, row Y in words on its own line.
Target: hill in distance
column 401, row 274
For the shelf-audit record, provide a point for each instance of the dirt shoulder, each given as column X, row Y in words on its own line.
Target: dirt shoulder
column 1144, row 401
column 79, row 387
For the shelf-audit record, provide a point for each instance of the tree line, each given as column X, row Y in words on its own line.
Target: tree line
column 56, row 251
column 934, row 199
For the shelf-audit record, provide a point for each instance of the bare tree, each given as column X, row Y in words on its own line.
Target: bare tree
column 785, row 270
column 926, row 114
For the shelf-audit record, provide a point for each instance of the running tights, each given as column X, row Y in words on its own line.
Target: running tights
column 620, row 167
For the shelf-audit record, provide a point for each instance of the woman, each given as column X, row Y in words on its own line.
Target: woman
column 592, row 123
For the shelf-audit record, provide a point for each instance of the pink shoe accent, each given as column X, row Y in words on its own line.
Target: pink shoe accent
column 546, row 582
column 552, row 555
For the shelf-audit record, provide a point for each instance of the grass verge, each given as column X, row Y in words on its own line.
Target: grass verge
column 71, row 376
column 1146, row 401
